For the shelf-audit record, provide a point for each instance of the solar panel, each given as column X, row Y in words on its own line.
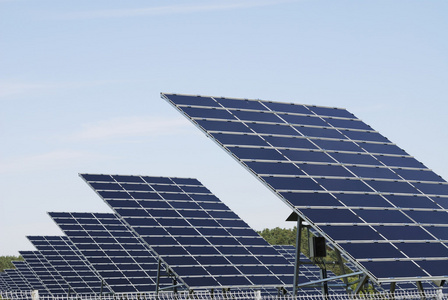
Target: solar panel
column 31, row 277
column 119, row 257
column 11, row 285
column 3, row 284
column 54, row 283
column 199, row 237
column 378, row 205
column 19, row 281
column 69, row 263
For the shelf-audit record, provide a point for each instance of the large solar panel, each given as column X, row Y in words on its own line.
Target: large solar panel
column 199, row 237
column 18, row 279
column 31, row 277
column 54, row 283
column 66, row 259
column 119, row 257
column 378, row 205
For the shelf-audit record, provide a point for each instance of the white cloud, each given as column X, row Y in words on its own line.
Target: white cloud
column 45, row 161
column 172, row 9
column 124, row 127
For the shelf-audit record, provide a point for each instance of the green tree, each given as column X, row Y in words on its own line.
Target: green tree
column 6, row 262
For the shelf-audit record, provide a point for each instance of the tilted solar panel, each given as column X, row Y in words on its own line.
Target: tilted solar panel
column 378, row 205
column 11, row 285
column 31, row 277
column 19, row 280
column 66, row 259
column 199, row 237
column 3, row 284
column 54, row 283
column 116, row 253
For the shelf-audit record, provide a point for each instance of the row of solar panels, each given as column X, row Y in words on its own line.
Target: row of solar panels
column 198, row 239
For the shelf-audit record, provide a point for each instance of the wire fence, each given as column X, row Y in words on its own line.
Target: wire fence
column 231, row 295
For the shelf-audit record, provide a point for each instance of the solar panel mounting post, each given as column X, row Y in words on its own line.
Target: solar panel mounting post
column 297, row 258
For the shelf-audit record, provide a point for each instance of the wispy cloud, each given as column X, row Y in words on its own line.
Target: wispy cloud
column 125, row 127
column 44, row 161
column 172, row 9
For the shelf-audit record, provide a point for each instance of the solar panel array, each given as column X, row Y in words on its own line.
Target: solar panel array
column 205, row 243
column 54, row 283
column 30, row 277
column 116, row 253
column 381, row 207
column 17, row 279
column 3, row 284
column 69, row 263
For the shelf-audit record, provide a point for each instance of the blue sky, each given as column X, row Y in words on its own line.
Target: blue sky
column 80, row 83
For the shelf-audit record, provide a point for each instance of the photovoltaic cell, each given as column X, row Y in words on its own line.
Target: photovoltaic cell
column 3, row 284
column 66, row 259
column 54, row 283
column 336, row 172
column 199, row 237
column 116, row 253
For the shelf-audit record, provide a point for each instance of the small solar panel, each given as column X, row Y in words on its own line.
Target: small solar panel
column 66, row 259
column 118, row 256
column 18, row 279
column 382, row 208
column 31, row 277
column 205, row 243
column 54, row 283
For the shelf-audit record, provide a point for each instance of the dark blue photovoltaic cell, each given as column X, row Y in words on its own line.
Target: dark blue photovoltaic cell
column 288, row 107
column 344, row 123
column 388, row 180
column 209, row 113
column 331, row 216
column 420, row 175
column 311, row 199
column 224, row 126
column 331, row 111
column 290, row 183
column 198, row 225
column 252, row 116
column 274, row 168
column 339, row 145
column 273, row 129
column 238, row 139
column 325, row 170
column 432, row 188
column 382, row 148
column 369, row 172
column 365, row 136
column 194, row 100
column 351, row 232
column 416, row 249
column 290, row 142
column 303, row 120
column 382, row 216
column 343, row 185
column 256, row 153
column 391, row 186
column 393, row 269
column 438, row 268
column 399, row 161
column 240, row 103
column 373, row 250
column 320, row 132
column 429, row 217
column 411, row 201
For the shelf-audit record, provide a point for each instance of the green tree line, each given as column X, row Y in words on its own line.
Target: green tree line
column 6, row 262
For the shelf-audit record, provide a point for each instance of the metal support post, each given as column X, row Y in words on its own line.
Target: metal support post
column 323, row 275
column 341, row 267
column 297, row 258
column 158, row 276
column 421, row 290
column 361, row 284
